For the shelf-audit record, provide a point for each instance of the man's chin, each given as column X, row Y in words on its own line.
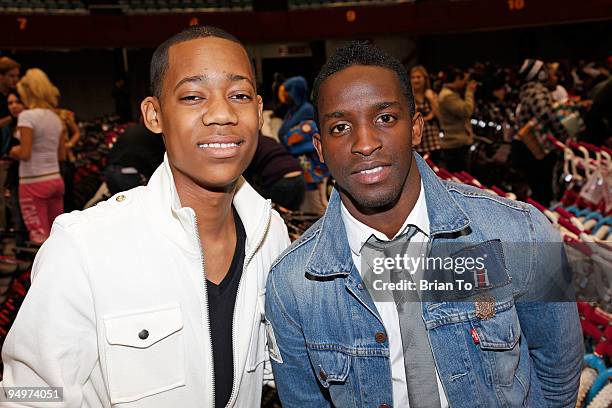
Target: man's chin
column 210, row 181
column 224, row 184
column 373, row 203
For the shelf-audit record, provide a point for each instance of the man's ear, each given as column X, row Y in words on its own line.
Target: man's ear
column 316, row 141
column 260, row 111
column 417, row 128
column 151, row 114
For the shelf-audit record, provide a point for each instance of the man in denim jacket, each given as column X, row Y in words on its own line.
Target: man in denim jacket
column 511, row 338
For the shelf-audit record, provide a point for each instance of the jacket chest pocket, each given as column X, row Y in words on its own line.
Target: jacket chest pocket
column 144, row 353
column 499, row 343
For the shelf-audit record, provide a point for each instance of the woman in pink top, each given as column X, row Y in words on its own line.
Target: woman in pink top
column 40, row 131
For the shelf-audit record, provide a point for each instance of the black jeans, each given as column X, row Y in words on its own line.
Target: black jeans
column 457, row 159
column 117, row 180
column 538, row 173
column 287, row 192
column 67, row 170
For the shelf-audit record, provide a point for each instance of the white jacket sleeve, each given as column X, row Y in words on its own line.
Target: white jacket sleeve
column 53, row 340
column 284, row 242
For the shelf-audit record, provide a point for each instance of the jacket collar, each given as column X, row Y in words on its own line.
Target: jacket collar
column 445, row 216
column 180, row 222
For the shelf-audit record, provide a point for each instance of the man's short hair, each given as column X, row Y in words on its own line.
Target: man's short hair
column 7, row 64
column 159, row 61
column 362, row 53
column 452, row 74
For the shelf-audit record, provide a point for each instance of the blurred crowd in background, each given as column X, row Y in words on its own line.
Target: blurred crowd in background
column 493, row 122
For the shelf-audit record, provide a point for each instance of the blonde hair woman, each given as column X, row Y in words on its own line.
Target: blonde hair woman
column 426, row 102
column 72, row 134
column 41, row 133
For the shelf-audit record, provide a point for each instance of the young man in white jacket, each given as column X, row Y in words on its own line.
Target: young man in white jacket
column 154, row 298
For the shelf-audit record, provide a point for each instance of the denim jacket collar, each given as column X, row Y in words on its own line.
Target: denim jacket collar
column 332, row 255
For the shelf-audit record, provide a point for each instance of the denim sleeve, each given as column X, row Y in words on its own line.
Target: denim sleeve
column 295, row 379
column 551, row 325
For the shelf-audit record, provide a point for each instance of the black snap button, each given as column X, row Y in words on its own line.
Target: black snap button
column 144, row 334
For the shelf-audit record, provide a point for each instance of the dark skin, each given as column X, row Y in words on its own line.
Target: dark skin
column 367, row 136
column 208, row 100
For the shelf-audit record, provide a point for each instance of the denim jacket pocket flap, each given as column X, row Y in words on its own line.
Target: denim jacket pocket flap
column 330, row 366
column 501, row 332
column 471, row 270
column 484, row 267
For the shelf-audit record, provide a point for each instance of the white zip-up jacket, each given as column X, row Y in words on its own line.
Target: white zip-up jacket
column 117, row 313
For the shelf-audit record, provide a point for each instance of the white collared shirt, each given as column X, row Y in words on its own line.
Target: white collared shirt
column 357, row 234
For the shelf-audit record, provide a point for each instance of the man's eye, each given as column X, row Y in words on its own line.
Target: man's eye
column 191, row 98
column 340, row 128
column 242, row 97
column 386, row 118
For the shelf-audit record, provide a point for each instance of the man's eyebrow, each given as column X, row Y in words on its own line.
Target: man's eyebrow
column 377, row 106
column 238, row 77
column 199, row 78
column 334, row 115
column 385, row 105
column 194, row 78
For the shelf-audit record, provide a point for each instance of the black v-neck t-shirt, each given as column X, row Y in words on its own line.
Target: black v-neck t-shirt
column 221, row 302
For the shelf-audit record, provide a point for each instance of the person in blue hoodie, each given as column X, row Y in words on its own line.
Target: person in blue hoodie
column 300, row 109
column 296, row 134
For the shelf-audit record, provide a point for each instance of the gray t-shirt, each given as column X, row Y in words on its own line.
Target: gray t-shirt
column 46, row 132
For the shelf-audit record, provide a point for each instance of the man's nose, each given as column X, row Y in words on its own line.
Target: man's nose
column 219, row 112
column 366, row 141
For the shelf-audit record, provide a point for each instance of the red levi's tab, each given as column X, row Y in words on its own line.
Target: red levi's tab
column 475, row 336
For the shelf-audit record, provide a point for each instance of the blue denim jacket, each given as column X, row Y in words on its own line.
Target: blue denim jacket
column 323, row 321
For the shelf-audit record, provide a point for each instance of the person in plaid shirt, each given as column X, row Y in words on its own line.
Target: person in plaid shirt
column 536, row 102
column 536, row 106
